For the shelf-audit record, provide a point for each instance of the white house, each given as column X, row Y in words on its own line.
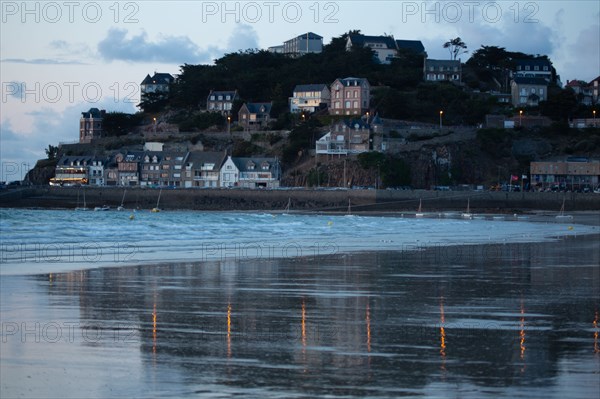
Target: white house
column 309, row 98
column 250, row 172
column 384, row 47
column 159, row 83
column 229, row 175
column 221, row 101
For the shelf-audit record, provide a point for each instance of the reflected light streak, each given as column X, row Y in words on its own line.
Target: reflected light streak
column 228, row 330
column 442, row 331
column 303, row 336
column 154, row 328
column 303, row 323
column 522, row 332
column 368, row 319
column 596, row 345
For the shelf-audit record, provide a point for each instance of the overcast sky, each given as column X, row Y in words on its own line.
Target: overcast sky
column 58, row 59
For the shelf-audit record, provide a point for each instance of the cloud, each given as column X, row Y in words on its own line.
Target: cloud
column 49, row 126
column 243, row 37
column 42, row 61
column 510, row 34
column 583, row 55
column 168, row 49
column 119, row 46
column 12, row 89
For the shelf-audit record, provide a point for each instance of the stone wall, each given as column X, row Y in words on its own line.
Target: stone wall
column 318, row 200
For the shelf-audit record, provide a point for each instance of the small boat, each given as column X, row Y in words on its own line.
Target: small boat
column 157, row 209
column 84, row 208
column 467, row 214
column 561, row 214
column 122, row 207
column 102, row 208
column 420, row 213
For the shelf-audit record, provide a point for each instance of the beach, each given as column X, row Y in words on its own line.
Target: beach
column 498, row 319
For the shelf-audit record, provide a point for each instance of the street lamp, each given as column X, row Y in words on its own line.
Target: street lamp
column 594, row 112
column 441, row 113
column 154, row 120
column 520, row 118
column 229, row 124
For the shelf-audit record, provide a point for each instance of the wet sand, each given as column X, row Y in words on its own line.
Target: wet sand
column 518, row 320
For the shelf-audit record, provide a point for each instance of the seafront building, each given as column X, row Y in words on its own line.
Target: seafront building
column 170, row 169
column 573, row 173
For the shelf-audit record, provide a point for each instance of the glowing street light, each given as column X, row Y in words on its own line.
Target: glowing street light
column 229, row 124
column 441, row 113
column 520, row 117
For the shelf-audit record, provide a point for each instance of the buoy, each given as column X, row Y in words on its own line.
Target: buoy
column 570, row 228
column 131, row 217
column 330, row 223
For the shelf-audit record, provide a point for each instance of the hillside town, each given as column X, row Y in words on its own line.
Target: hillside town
column 355, row 123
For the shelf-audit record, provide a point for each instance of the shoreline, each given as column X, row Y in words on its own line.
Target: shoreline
column 62, row 257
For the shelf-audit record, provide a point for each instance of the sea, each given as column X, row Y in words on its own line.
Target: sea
column 285, row 305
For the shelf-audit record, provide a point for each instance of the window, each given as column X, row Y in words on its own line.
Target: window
column 220, row 98
column 355, row 104
column 356, row 94
column 536, row 68
column 347, row 104
column 527, row 67
column 228, row 97
column 212, row 98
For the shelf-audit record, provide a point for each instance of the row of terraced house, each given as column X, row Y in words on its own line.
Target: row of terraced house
column 154, row 167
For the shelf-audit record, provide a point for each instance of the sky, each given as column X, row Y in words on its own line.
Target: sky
column 61, row 58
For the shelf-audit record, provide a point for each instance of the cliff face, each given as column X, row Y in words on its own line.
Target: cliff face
column 41, row 174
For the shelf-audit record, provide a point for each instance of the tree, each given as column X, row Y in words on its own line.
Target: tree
column 51, row 152
column 456, row 47
column 119, row 123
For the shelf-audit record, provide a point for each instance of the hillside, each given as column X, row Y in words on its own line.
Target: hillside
column 459, row 154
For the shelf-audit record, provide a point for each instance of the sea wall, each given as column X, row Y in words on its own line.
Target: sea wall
column 325, row 200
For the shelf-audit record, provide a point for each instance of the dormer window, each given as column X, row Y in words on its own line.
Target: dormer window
column 250, row 165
